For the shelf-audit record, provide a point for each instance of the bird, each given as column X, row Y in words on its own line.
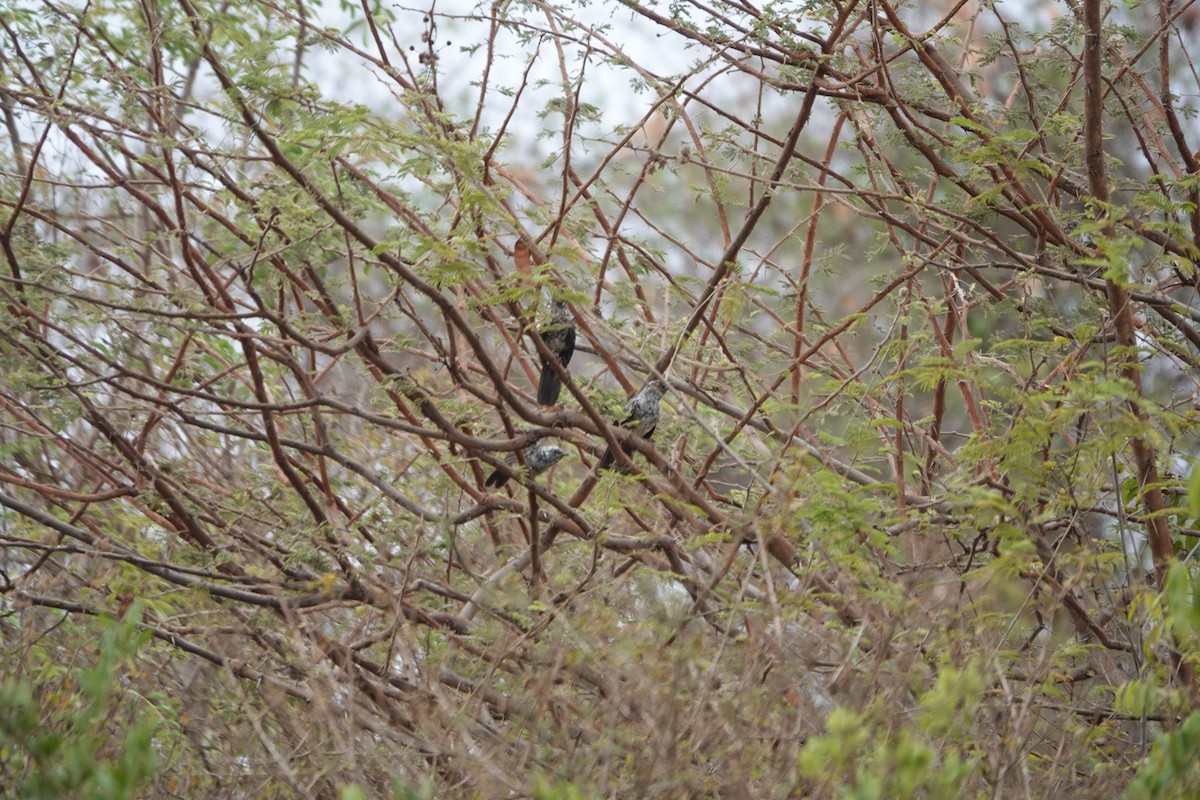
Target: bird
column 559, row 337
column 642, row 411
column 538, row 457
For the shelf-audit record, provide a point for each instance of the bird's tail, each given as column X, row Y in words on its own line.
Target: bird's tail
column 497, row 479
column 549, row 386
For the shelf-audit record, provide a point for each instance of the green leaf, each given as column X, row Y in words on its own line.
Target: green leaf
column 1193, row 494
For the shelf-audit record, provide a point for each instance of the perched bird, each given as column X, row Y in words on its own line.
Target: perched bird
column 559, row 338
column 641, row 415
column 538, row 457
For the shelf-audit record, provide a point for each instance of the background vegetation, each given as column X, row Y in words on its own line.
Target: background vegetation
column 920, row 518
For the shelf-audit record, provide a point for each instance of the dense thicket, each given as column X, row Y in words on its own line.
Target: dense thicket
column 276, row 298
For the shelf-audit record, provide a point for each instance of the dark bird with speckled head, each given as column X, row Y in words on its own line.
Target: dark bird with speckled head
column 641, row 415
column 559, row 337
column 538, row 457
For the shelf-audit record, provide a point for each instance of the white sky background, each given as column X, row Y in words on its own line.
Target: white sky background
column 532, row 146
column 605, row 85
column 460, row 24
column 532, row 142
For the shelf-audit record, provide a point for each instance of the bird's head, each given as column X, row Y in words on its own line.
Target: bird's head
column 550, row 455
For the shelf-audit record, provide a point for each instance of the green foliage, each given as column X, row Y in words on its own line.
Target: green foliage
column 407, row 791
column 1193, row 493
column 904, row 552
column 865, row 761
column 546, row 789
column 74, row 735
column 1182, row 595
column 1171, row 770
column 949, row 707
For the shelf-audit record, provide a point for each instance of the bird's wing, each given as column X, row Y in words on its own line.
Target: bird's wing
column 564, row 357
